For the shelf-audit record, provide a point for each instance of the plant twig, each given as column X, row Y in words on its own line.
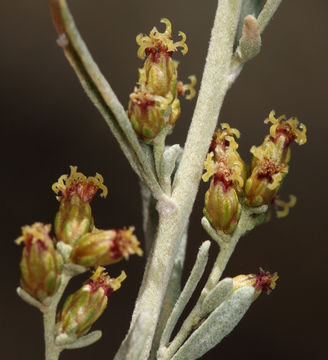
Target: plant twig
column 227, row 247
column 173, row 221
column 100, row 93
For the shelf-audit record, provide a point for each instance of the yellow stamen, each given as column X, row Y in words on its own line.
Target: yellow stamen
column 115, row 283
column 98, row 273
column 189, row 87
column 273, row 282
column 210, row 167
column 286, row 206
column 230, row 131
column 130, row 244
column 168, row 29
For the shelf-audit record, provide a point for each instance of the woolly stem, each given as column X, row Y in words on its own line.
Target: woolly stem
column 52, row 351
column 174, row 213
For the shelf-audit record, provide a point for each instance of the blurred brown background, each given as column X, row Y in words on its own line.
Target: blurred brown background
column 48, row 124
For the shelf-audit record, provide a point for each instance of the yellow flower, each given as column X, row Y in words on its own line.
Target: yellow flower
column 223, row 161
column 74, row 217
column 78, row 184
column 270, row 160
column 82, row 308
column 105, row 247
column 148, row 114
column 267, row 163
column 40, row 265
column 158, row 43
column 290, row 129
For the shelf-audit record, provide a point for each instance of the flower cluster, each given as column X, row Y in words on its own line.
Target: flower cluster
column 74, row 224
column 154, row 104
column 44, row 262
column 270, row 160
column 233, row 184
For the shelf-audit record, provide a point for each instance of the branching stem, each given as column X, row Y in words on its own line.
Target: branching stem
column 214, row 86
column 49, row 320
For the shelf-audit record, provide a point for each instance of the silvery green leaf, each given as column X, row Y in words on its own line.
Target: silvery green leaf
column 85, row 340
column 216, row 236
column 189, row 288
column 217, row 296
column 170, row 157
column 29, row 299
column 218, row 325
column 149, row 216
column 148, row 154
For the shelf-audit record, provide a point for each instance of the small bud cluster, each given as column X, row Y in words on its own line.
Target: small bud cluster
column 233, row 184
column 154, row 104
column 43, row 264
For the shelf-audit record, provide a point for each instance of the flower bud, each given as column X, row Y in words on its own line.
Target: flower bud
column 226, row 158
column 74, row 217
column 148, row 113
column 263, row 281
column 84, row 307
column 105, row 247
column 270, row 160
column 159, row 74
column 288, row 130
column 41, row 265
column 267, row 174
column 222, row 208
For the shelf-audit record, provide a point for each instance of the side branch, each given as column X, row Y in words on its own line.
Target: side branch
column 100, row 92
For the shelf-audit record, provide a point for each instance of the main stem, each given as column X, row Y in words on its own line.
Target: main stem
column 174, row 213
column 49, row 320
